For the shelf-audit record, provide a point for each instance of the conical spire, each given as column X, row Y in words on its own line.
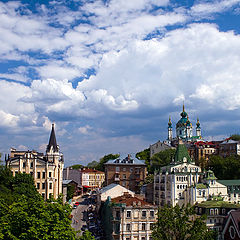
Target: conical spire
column 198, row 123
column 181, row 154
column 52, row 141
column 170, row 122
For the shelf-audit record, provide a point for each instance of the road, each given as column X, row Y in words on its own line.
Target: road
column 79, row 214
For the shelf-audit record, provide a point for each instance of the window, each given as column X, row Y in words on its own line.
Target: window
column 50, row 174
column 128, row 227
column 24, row 164
column 144, row 214
column 152, row 214
column 38, row 185
column 31, row 165
column 43, row 195
column 50, row 185
column 43, row 175
column 38, row 175
column 143, row 226
column 124, row 176
column 124, row 169
column 128, row 214
column 131, row 169
column 31, row 173
column 16, row 172
column 143, row 238
column 117, row 169
column 43, row 185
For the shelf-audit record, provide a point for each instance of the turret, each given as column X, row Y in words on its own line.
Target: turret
column 52, row 145
column 198, row 129
column 170, row 129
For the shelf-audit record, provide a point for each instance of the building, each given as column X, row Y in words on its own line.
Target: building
column 229, row 147
column 46, row 169
column 69, row 184
column 91, row 178
column 231, row 229
column 158, row 147
column 216, row 212
column 184, row 182
column 184, row 129
column 128, row 172
column 113, row 190
column 128, row 218
column 233, row 189
column 72, row 174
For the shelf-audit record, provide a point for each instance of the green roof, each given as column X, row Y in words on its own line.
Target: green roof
column 221, row 204
column 229, row 182
column 181, row 152
column 210, row 175
column 201, row 186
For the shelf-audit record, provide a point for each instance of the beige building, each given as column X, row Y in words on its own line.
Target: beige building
column 91, row 178
column 132, row 218
column 46, row 169
column 128, row 172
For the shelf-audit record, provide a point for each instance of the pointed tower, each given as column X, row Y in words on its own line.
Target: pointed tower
column 54, row 168
column 170, row 136
column 188, row 129
column 198, row 129
column 52, row 146
column 182, row 154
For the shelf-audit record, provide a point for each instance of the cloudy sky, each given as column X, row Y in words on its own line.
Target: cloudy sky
column 109, row 73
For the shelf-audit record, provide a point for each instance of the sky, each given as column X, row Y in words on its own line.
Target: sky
column 109, row 73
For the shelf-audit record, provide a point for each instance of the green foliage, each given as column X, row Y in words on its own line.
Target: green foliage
column 149, row 179
column 70, row 192
column 25, row 215
column 225, row 168
column 105, row 159
column 235, row 137
column 144, row 155
column 76, row 166
column 87, row 236
column 93, row 164
column 181, row 223
column 162, row 158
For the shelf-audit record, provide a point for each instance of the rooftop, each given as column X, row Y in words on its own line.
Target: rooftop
column 221, row 204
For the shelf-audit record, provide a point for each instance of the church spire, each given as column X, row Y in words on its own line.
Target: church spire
column 52, row 141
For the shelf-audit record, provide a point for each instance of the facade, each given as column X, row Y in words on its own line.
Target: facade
column 131, row 218
column 183, row 182
column 66, row 184
column 91, row 178
column 46, row 169
column 216, row 212
column 72, row 174
column 231, row 229
column 229, row 147
column 158, row 147
column 128, row 172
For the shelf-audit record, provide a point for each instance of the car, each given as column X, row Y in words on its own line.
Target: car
column 77, row 203
column 75, row 206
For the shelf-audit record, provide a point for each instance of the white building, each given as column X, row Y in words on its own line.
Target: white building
column 183, row 182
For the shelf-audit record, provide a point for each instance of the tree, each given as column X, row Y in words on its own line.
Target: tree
column 144, row 155
column 76, row 166
column 181, row 223
column 235, row 137
column 93, row 164
column 105, row 159
column 70, row 191
column 162, row 158
column 25, row 215
column 225, row 168
column 87, row 236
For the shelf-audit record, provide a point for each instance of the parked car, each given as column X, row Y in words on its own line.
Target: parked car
column 77, row 203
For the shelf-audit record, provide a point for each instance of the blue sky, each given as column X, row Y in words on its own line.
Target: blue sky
column 109, row 73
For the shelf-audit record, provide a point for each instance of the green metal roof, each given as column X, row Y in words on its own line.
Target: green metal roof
column 181, row 152
column 230, row 182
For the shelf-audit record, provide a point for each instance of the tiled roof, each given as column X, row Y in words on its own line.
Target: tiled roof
column 90, row 170
column 131, row 201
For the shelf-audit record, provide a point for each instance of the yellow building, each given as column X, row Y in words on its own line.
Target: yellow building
column 46, row 169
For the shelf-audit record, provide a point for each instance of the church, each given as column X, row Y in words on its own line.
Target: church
column 183, row 182
column 184, row 129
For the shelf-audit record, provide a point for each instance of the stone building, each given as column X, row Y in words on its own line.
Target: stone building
column 128, row 218
column 46, row 169
column 128, row 172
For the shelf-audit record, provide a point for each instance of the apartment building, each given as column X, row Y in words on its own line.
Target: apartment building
column 128, row 172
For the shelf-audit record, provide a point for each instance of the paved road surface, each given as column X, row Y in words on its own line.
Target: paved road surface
column 79, row 214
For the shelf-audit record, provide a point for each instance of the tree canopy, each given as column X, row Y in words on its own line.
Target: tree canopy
column 25, row 215
column 180, row 223
column 225, row 168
